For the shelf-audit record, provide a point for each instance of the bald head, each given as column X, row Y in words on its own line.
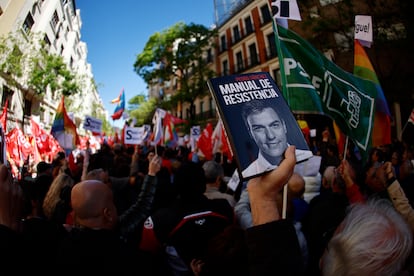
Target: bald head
column 296, row 185
column 93, row 206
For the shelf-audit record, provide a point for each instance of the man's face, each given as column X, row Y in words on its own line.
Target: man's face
column 268, row 131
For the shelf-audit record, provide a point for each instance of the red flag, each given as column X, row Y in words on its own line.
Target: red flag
column 41, row 137
column 71, row 163
column 204, row 143
column 18, row 146
column 36, row 154
column 123, row 134
column 3, row 117
column 170, row 133
column 219, row 140
column 226, row 146
column 411, row 118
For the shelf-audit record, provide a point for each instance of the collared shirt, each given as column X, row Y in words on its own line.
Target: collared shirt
column 261, row 165
column 258, row 166
column 214, row 192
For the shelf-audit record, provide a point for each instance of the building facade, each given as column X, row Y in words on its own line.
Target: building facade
column 59, row 23
column 245, row 43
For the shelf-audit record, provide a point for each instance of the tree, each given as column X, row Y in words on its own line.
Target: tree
column 26, row 64
column 143, row 114
column 51, row 71
column 136, row 101
column 178, row 52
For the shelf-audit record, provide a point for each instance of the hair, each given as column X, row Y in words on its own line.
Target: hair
column 212, row 170
column 227, row 253
column 53, row 195
column 373, row 239
column 190, row 180
column 95, row 174
column 255, row 107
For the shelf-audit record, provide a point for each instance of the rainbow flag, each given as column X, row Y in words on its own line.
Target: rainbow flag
column 120, row 107
column 381, row 132
column 63, row 128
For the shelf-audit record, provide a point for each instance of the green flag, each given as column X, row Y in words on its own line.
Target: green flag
column 311, row 83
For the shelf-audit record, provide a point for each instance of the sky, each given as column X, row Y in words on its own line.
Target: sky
column 116, row 32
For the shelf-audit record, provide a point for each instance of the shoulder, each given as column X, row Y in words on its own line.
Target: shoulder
column 251, row 169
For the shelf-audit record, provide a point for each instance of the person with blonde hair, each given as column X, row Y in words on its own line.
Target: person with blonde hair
column 56, row 205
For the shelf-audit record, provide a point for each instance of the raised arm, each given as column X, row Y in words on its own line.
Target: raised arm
column 272, row 241
column 132, row 218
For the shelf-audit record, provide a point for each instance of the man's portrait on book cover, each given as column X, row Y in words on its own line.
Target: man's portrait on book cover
column 258, row 122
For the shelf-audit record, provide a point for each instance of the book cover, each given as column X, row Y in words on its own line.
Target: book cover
column 258, row 122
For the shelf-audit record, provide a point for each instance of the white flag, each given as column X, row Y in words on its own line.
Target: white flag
column 287, row 9
column 363, row 29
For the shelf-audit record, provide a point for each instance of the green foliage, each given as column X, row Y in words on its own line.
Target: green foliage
column 144, row 112
column 51, row 71
column 178, row 52
column 20, row 55
column 136, row 101
column 11, row 58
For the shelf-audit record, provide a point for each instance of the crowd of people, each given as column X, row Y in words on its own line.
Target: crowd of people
column 145, row 210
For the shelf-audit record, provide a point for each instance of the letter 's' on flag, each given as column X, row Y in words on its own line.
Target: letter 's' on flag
column 120, row 107
column 63, row 128
column 312, row 84
column 381, row 133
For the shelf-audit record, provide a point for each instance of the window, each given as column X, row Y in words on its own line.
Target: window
column 55, row 20
column 266, row 17
column 236, row 33
column 28, row 23
column 248, row 24
column 239, row 60
column 7, row 95
column 58, row 30
column 209, row 56
column 27, row 107
column 272, row 50
column 223, row 43
column 253, row 54
column 42, row 114
column 225, row 68
column 47, row 40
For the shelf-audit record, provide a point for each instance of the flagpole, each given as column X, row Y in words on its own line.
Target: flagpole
column 280, row 58
column 402, row 131
column 286, row 92
column 346, row 147
column 406, row 124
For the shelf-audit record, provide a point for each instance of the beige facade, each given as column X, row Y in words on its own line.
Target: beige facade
column 59, row 23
